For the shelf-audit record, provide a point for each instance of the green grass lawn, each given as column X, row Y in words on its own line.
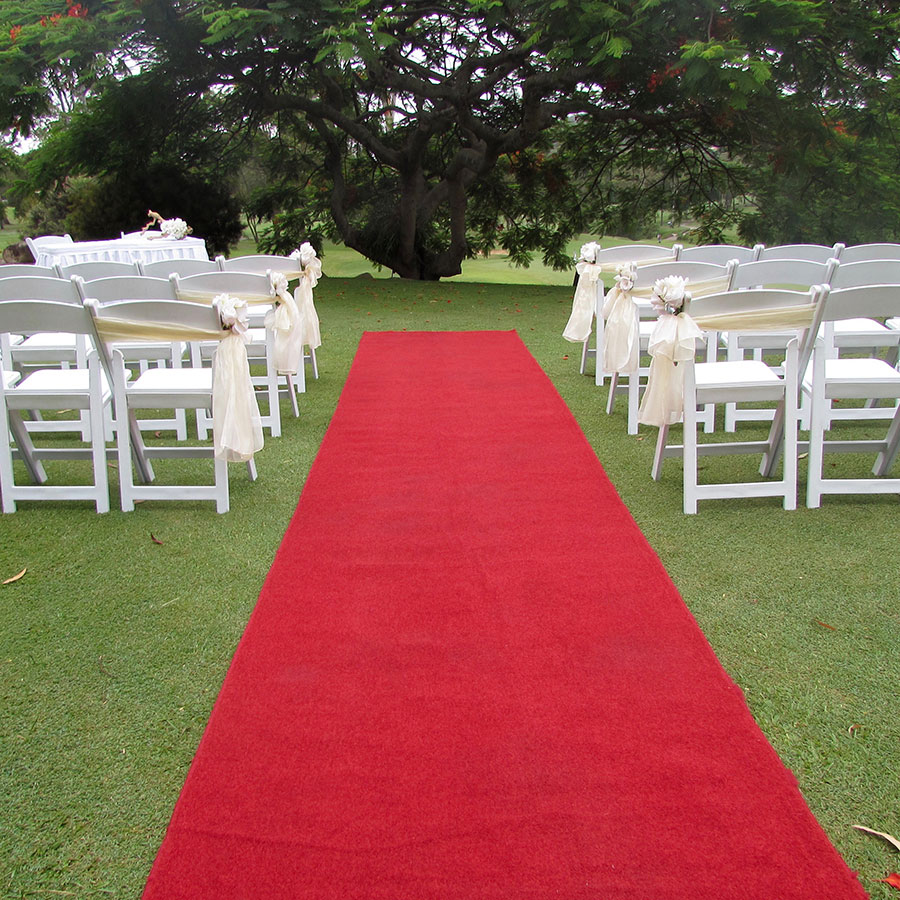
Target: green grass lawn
column 114, row 643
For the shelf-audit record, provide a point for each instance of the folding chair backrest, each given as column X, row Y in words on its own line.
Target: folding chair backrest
column 260, row 263
column 782, row 273
column 99, row 269
column 858, row 274
column 44, row 315
column 126, row 287
column 636, row 253
column 719, row 253
column 761, row 299
column 234, row 283
column 693, row 271
column 809, row 252
column 862, row 252
column 39, row 287
column 874, row 301
column 30, row 269
column 159, row 311
column 163, row 268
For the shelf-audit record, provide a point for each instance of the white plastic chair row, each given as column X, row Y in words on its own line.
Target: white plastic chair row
column 92, row 387
column 826, row 379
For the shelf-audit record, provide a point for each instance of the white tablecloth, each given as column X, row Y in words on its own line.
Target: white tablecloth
column 127, row 249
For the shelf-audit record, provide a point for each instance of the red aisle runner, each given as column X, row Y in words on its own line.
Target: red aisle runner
column 468, row 677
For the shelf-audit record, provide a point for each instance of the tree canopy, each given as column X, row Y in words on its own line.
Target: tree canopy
column 420, row 133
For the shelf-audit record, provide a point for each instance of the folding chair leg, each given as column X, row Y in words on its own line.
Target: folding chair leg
column 315, row 365
column 23, row 441
column 689, row 455
column 886, row 458
column 584, row 356
column 292, row 391
column 613, row 385
column 658, row 456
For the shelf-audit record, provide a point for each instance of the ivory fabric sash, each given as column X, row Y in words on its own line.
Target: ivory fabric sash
column 578, row 328
column 285, row 320
column 237, row 426
column 674, row 342
column 303, row 297
column 621, row 338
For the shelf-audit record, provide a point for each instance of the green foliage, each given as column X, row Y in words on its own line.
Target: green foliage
column 416, row 129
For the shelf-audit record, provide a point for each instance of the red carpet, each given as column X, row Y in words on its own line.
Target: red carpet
column 468, row 677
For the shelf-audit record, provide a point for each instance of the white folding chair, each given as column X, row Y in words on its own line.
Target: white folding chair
column 105, row 268
column 141, row 354
column 43, row 349
column 780, row 273
column 189, row 387
column 82, row 387
column 721, row 254
column 747, row 380
column 701, row 275
column 269, row 262
column 163, row 268
column 609, row 258
column 255, row 288
column 831, row 378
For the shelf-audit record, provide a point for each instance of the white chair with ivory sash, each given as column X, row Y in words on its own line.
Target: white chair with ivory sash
column 225, row 389
column 678, row 386
column 630, row 319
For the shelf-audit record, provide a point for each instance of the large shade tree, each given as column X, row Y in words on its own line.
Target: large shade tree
column 432, row 130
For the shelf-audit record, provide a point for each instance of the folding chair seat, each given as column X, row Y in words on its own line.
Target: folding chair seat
column 189, row 387
column 256, row 289
column 831, row 378
column 83, row 387
column 291, row 267
column 780, row 273
column 587, row 305
column 724, row 381
column 701, row 277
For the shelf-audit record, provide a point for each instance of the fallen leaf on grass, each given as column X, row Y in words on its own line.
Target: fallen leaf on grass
column 893, row 880
column 850, row 731
column 15, row 577
column 888, row 837
column 154, row 538
column 826, row 625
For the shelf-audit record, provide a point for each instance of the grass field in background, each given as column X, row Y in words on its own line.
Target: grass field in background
column 115, row 642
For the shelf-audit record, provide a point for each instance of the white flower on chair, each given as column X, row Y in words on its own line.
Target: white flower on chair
column 669, row 294
column 278, row 283
column 625, row 275
column 588, row 252
column 306, row 253
column 235, row 315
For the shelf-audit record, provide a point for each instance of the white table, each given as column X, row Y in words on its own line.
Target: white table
column 125, row 249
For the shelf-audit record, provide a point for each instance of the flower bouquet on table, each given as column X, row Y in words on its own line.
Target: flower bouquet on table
column 168, row 228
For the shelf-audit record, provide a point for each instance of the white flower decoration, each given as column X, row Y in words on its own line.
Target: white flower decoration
column 174, row 228
column 588, row 252
column 625, row 275
column 278, row 283
column 306, row 253
column 669, row 294
column 235, row 315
